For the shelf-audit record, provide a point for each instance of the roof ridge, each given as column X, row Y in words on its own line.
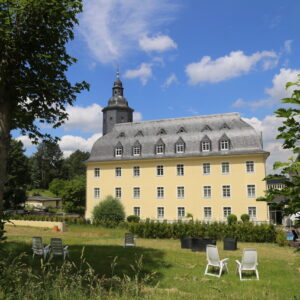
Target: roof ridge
column 235, row 114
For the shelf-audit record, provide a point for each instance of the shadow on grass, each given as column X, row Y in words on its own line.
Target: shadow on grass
column 100, row 258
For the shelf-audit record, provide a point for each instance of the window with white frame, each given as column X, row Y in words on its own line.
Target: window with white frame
column 226, row 212
column 252, row 212
column 137, row 211
column 179, row 148
column 251, row 190
column 226, row 191
column 159, row 149
column 136, row 171
column 96, row 193
column 225, row 167
column 160, row 170
column 118, row 171
column 118, row 151
column 136, row 192
column 97, row 172
column 137, row 150
column 206, row 168
column 118, row 192
column 205, row 146
column 180, row 212
column 160, row 212
column 207, row 213
column 207, row 191
column 180, row 192
column 224, row 145
column 180, row 170
column 160, row 192
column 250, row 166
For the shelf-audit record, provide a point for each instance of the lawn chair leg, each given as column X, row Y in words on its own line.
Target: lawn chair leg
column 257, row 276
column 220, row 272
column 206, row 269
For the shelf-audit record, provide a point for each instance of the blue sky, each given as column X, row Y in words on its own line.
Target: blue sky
column 183, row 58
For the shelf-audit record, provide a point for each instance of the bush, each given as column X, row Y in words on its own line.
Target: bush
column 281, row 238
column 110, row 211
column 232, row 219
column 245, row 218
column 134, row 219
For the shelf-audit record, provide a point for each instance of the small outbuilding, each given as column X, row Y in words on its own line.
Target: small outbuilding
column 43, row 202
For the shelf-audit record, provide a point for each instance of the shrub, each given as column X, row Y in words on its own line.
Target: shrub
column 281, row 238
column 109, row 210
column 232, row 219
column 133, row 218
column 245, row 218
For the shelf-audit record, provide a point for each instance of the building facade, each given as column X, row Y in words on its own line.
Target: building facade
column 208, row 166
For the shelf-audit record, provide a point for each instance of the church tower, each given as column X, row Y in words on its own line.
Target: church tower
column 117, row 110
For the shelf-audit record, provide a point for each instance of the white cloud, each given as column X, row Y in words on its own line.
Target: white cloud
column 171, row 79
column 25, row 140
column 144, row 72
column 287, row 47
column 268, row 126
column 70, row 143
column 223, row 68
column 137, row 116
column 158, row 43
column 84, row 119
column 278, row 90
column 113, row 28
column 253, row 105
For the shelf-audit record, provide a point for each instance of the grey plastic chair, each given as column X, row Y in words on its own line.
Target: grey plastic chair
column 38, row 247
column 57, row 248
column 129, row 240
column 249, row 262
column 213, row 260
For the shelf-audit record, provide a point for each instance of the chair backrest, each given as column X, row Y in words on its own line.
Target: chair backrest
column 37, row 243
column 249, row 259
column 129, row 239
column 212, row 254
column 57, row 246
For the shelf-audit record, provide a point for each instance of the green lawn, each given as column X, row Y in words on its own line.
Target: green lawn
column 178, row 272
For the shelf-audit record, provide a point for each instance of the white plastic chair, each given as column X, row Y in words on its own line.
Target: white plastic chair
column 249, row 263
column 57, row 248
column 213, row 260
column 129, row 240
column 38, row 247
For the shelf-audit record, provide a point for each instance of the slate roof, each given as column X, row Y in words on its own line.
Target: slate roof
column 192, row 130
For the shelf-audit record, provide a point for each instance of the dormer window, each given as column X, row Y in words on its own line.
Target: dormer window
column 136, row 150
column 180, row 146
column 161, row 131
column 225, row 126
column 159, row 149
column 206, row 128
column 181, row 130
column 139, row 133
column 118, row 150
column 122, row 134
column 205, row 145
column 224, row 145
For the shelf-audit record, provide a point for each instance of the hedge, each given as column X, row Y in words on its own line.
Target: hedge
column 247, row 232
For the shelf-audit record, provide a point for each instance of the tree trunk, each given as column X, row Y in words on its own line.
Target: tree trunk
column 5, row 122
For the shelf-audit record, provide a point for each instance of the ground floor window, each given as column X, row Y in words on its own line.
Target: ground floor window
column 96, row 193
column 160, row 212
column 226, row 212
column 180, row 212
column 207, row 213
column 137, row 211
column 118, row 192
column 252, row 212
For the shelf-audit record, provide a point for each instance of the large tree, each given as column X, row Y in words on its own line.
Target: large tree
column 34, row 87
column 289, row 132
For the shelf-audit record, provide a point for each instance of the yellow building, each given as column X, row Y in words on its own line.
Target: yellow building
column 209, row 166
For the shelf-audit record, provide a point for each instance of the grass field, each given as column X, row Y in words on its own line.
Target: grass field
column 179, row 273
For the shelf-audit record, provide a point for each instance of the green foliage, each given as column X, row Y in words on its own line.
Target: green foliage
column 133, row 218
column 57, row 186
column 245, row 218
column 17, row 176
column 109, row 210
column 231, row 219
column 73, row 195
column 289, row 132
column 74, row 165
column 46, row 164
column 281, row 239
column 247, row 232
